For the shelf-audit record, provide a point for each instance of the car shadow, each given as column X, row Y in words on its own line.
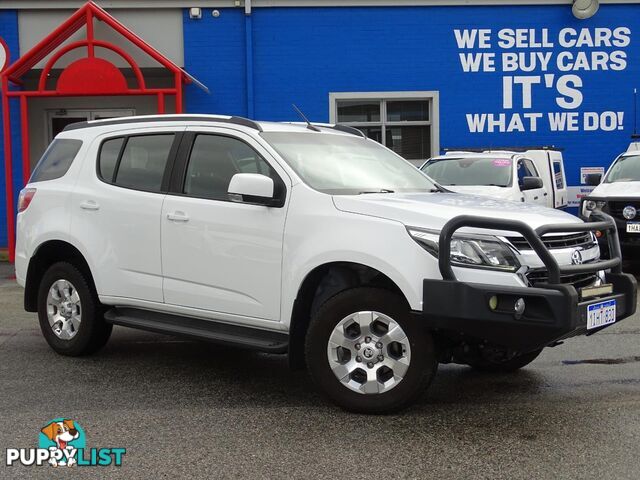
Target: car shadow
column 236, row 378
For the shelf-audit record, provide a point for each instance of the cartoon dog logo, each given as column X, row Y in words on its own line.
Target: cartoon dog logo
column 61, row 433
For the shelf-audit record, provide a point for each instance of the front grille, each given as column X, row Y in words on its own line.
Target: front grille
column 578, row 280
column 553, row 242
column 616, row 208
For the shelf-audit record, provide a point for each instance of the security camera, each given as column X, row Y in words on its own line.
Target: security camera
column 584, row 9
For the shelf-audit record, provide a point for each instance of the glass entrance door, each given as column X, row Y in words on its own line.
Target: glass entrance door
column 58, row 119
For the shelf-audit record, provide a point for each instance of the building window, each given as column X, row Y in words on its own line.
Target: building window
column 406, row 122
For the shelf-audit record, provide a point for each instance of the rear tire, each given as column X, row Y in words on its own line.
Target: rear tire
column 393, row 358
column 508, row 366
column 70, row 314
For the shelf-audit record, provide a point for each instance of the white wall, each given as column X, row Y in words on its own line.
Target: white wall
column 160, row 28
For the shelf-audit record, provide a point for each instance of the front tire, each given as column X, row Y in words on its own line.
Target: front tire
column 70, row 314
column 367, row 354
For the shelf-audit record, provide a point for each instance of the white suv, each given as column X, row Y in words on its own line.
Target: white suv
column 306, row 239
column 618, row 195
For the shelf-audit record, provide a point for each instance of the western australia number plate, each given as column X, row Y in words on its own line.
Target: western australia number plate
column 600, row 314
column 633, row 227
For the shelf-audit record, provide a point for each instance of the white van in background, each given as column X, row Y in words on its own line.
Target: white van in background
column 530, row 175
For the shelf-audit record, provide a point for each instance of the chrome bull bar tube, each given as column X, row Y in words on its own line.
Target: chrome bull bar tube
column 604, row 223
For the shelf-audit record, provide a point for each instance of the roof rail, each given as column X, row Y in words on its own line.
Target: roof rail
column 501, row 148
column 348, row 129
column 164, row 118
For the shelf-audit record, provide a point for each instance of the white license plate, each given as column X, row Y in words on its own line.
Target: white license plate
column 633, row 227
column 599, row 314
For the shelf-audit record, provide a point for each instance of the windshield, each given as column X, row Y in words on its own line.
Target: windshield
column 626, row 169
column 470, row 171
column 347, row 165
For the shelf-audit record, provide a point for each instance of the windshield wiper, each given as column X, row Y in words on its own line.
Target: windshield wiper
column 382, row 190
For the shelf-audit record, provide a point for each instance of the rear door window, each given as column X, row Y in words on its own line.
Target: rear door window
column 109, row 154
column 57, row 160
column 139, row 164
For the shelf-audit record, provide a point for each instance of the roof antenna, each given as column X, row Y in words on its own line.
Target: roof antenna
column 309, row 125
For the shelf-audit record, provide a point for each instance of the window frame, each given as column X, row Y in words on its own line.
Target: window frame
column 168, row 168
column 183, row 157
column 432, row 96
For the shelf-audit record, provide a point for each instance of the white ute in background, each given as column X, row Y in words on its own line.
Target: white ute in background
column 520, row 175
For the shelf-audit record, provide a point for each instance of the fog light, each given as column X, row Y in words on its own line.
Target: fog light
column 519, row 307
column 598, row 234
column 493, row 302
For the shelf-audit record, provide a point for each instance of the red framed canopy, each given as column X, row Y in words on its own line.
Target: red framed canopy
column 88, row 76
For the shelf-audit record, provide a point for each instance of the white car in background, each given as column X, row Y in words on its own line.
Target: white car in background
column 532, row 176
column 618, row 194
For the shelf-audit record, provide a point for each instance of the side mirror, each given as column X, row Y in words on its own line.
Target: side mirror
column 531, row 183
column 251, row 188
column 593, row 179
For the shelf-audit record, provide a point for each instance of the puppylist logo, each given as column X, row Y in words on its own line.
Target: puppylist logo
column 62, row 443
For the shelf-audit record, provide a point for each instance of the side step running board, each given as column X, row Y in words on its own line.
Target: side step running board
column 209, row 330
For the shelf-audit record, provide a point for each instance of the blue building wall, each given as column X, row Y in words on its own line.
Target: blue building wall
column 9, row 32
column 299, row 55
column 302, row 54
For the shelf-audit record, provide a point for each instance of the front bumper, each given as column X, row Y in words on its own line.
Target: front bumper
column 627, row 240
column 554, row 311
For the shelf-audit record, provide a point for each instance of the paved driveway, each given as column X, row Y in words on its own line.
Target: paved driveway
column 183, row 408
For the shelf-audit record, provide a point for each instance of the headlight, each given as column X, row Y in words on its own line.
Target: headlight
column 593, row 205
column 590, row 205
column 478, row 251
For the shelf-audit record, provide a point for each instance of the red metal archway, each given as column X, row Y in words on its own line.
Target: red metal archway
column 88, row 76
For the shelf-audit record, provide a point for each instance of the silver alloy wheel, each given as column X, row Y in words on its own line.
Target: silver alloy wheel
column 369, row 352
column 64, row 310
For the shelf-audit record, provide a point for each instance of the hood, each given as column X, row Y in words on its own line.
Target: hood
column 617, row 189
column 433, row 210
column 483, row 190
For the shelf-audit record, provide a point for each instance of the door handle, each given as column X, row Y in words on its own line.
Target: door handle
column 545, row 194
column 536, row 197
column 89, row 205
column 177, row 217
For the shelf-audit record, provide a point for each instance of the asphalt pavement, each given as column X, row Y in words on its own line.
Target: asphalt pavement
column 186, row 409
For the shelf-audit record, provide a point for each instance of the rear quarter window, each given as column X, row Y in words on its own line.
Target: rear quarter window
column 57, row 160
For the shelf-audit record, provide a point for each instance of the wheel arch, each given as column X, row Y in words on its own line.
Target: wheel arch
column 321, row 283
column 48, row 253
